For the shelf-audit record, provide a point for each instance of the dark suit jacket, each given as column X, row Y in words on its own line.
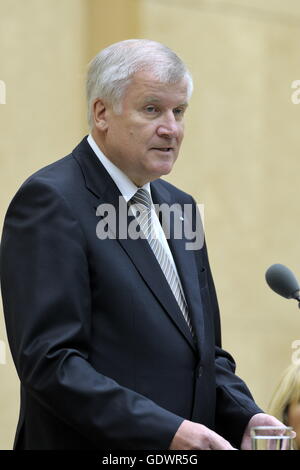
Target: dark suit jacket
column 104, row 355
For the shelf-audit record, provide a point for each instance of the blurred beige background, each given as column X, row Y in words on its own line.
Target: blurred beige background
column 240, row 156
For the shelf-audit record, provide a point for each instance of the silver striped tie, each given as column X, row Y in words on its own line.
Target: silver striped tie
column 142, row 203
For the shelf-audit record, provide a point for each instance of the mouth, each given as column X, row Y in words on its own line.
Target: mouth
column 163, row 149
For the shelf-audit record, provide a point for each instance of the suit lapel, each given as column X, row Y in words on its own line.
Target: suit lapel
column 184, row 259
column 99, row 182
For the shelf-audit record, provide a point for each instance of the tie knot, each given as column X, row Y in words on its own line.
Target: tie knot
column 142, row 197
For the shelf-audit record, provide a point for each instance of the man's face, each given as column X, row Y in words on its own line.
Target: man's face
column 144, row 140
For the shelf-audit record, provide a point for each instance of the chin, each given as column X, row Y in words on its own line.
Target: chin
column 157, row 173
column 164, row 168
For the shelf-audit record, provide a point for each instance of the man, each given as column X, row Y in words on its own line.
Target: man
column 116, row 339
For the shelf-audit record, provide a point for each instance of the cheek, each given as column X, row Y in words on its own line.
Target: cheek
column 182, row 132
column 141, row 136
column 124, row 138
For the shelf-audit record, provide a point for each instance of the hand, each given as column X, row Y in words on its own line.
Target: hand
column 194, row 436
column 260, row 419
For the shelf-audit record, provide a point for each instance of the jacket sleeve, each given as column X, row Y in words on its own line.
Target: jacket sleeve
column 47, row 303
column 234, row 403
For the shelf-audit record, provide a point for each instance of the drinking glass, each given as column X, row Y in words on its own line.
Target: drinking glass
column 272, row 438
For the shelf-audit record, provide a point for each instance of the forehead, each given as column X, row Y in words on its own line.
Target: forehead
column 145, row 87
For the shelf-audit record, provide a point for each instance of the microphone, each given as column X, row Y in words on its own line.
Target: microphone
column 283, row 281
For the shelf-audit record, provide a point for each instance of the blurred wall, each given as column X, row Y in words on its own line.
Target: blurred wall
column 239, row 157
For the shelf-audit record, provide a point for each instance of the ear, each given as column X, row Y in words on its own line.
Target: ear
column 100, row 115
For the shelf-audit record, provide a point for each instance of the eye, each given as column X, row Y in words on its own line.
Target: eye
column 151, row 109
column 178, row 112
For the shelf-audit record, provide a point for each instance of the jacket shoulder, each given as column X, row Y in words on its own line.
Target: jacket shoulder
column 176, row 193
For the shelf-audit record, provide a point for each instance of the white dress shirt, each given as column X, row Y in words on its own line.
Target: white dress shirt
column 127, row 188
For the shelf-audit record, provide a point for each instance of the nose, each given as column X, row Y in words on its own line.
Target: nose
column 169, row 127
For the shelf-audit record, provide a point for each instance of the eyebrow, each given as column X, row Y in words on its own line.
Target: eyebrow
column 154, row 99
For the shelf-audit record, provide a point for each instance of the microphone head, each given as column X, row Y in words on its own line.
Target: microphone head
column 282, row 281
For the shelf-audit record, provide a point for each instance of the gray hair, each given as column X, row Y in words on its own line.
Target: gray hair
column 110, row 72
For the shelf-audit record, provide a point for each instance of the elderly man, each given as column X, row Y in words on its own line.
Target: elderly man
column 116, row 339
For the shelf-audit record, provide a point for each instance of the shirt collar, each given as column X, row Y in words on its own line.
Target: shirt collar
column 126, row 187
